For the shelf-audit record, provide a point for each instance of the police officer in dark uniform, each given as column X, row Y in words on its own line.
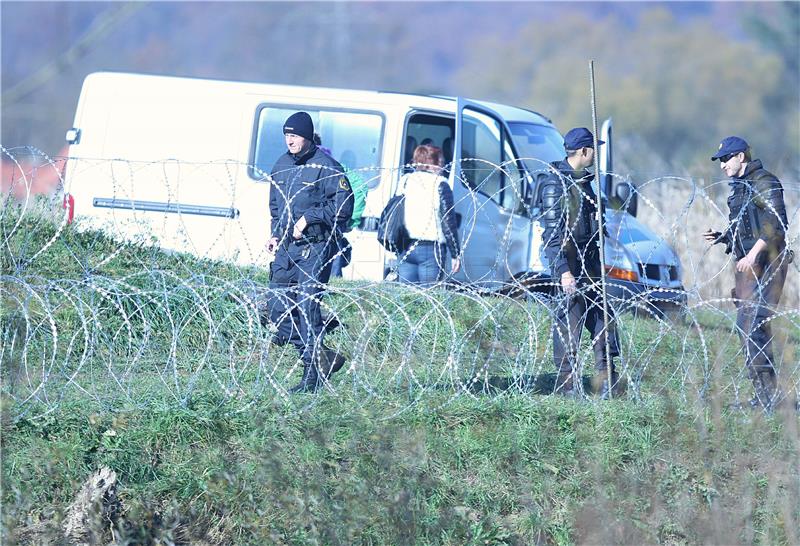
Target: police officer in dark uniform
column 571, row 243
column 756, row 234
column 311, row 202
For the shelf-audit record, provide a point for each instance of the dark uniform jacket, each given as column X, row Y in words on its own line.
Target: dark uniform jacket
column 569, row 208
column 311, row 185
column 757, row 211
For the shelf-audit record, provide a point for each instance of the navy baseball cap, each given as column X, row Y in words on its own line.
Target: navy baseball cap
column 730, row 145
column 579, row 137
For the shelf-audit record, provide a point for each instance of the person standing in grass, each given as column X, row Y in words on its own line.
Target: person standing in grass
column 571, row 243
column 310, row 202
column 756, row 234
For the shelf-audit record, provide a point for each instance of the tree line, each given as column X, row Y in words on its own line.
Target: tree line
column 672, row 76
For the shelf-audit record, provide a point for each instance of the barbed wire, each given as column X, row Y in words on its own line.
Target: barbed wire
column 136, row 305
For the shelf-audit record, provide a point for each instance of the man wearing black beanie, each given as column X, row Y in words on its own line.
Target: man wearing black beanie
column 300, row 124
column 311, row 202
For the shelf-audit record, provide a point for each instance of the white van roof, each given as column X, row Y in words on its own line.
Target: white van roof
column 297, row 92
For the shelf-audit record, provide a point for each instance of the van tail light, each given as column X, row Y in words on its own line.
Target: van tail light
column 69, row 206
column 621, row 274
column 68, row 203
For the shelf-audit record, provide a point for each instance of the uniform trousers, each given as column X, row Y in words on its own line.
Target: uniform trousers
column 572, row 313
column 299, row 273
column 756, row 294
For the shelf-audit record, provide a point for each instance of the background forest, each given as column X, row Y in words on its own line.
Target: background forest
column 676, row 77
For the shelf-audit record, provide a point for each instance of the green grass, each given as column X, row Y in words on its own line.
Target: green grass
column 515, row 469
column 206, row 451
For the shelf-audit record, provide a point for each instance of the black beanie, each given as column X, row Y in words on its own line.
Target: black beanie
column 300, row 124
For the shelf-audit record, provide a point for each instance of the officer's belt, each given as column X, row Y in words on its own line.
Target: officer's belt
column 311, row 239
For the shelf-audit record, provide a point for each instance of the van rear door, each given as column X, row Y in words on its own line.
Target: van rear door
column 489, row 187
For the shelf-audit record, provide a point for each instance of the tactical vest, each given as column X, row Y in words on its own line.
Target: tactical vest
column 746, row 205
column 582, row 213
column 578, row 204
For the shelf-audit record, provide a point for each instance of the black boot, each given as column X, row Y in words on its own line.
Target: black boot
column 310, row 382
column 330, row 362
column 565, row 386
column 608, row 389
column 765, row 391
column 337, row 360
column 330, row 323
column 758, row 393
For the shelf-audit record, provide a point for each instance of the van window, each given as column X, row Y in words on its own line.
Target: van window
column 436, row 130
column 538, row 145
column 488, row 161
column 354, row 138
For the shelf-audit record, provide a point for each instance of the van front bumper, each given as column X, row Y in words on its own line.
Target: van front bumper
column 646, row 299
column 622, row 295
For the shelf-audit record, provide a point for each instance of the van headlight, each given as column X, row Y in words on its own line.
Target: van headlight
column 619, row 263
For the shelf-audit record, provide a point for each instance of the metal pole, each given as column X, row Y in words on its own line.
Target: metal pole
column 601, row 228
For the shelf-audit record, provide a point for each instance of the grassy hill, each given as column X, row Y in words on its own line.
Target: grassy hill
column 155, row 365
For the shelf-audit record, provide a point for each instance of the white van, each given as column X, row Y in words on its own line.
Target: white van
column 185, row 161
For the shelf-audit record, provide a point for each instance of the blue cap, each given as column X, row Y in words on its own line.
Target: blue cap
column 730, row 145
column 579, row 137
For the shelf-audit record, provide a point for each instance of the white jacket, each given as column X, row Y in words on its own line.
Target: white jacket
column 428, row 209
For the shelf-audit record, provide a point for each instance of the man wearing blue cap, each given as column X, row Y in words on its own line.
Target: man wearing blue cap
column 756, row 234
column 571, row 243
column 311, row 202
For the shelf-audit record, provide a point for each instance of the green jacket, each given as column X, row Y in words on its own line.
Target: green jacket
column 359, row 187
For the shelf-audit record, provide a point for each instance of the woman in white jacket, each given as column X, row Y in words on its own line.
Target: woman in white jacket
column 430, row 220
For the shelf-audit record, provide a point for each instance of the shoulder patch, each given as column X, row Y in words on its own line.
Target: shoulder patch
column 343, row 183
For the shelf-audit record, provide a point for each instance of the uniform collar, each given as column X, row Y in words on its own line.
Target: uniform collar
column 752, row 166
column 580, row 176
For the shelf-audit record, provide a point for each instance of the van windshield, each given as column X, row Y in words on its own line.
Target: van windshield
column 537, row 145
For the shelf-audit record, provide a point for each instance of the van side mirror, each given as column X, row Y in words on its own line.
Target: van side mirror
column 625, row 192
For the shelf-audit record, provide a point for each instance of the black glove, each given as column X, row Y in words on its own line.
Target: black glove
column 722, row 238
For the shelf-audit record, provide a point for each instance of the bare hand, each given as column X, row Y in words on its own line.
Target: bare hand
column 272, row 245
column 299, row 227
column 746, row 263
column 749, row 261
column 456, row 265
column 568, row 283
